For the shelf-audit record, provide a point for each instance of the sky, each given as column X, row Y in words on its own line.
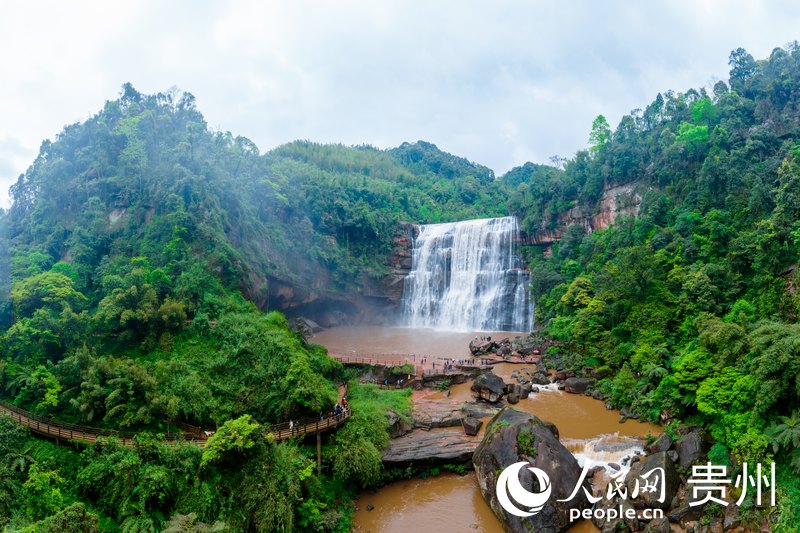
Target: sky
column 500, row 83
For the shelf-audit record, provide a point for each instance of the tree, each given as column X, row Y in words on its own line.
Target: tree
column 600, row 135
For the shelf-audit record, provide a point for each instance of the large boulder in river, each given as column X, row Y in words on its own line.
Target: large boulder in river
column 511, row 437
column 478, row 346
column 578, row 385
column 689, row 446
column 659, row 469
column 489, row 386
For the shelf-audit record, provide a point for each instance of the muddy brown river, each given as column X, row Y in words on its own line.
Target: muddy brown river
column 452, row 503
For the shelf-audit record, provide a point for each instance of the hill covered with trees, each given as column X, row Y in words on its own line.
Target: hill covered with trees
column 146, row 254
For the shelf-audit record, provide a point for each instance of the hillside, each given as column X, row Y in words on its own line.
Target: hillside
column 147, row 257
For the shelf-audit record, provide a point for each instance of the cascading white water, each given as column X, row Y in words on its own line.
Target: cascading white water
column 467, row 276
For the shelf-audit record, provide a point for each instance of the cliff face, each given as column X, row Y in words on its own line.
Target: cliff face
column 620, row 200
column 399, row 263
column 364, row 301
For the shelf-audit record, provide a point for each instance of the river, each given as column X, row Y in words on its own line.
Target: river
column 449, row 502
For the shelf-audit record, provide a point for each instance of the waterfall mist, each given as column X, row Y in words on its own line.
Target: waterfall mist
column 467, row 276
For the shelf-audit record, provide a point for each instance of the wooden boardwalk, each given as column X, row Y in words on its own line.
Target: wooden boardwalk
column 48, row 427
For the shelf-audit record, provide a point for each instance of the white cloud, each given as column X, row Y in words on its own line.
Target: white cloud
column 499, row 83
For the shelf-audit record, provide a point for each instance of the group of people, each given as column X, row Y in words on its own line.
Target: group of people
column 339, row 410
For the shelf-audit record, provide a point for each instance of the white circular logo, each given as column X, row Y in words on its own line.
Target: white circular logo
column 508, row 483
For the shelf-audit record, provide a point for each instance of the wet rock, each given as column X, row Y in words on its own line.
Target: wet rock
column 472, row 425
column 370, row 507
column 690, row 448
column 673, row 456
column 614, row 466
column 561, row 387
column 437, row 446
column 563, row 375
column 534, row 389
column 578, row 385
column 478, row 409
column 397, row 425
column 513, row 436
column 685, row 513
column 540, row 378
column 513, row 398
column 658, row 525
column 671, row 481
column 479, row 347
column 594, row 471
column 448, row 413
column 731, row 519
column 308, row 324
column 489, row 387
column 661, row 444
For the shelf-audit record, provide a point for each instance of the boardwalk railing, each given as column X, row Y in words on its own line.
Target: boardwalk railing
column 56, row 429
column 308, row 426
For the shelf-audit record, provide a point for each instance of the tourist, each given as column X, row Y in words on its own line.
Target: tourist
column 291, row 426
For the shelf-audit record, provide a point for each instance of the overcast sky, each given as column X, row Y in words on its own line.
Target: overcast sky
column 501, row 82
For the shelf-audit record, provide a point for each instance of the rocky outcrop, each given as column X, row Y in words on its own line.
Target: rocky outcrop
column 660, row 462
column 398, row 426
column 690, row 446
column 614, row 202
column 399, row 262
column 437, row 446
column 481, row 346
column 513, row 436
column 489, row 387
column 443, row 413
column 661, row 444
column 578, row 385
column 472, row 425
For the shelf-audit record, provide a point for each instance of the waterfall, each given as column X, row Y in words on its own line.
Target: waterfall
column 467, row 276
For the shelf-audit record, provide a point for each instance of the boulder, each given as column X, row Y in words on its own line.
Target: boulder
column 513, row 436
column 661, row 444
column 513, row 398
column 397, row 425
column 658, row 525
column 437, row 446
column 309, row 324
column 616, row 524
column 578, row 385
column 690, row 447
column 471, row 425
column 731, row 519
column 671, row 481
column 562, row 375
column 478, row 409
column 540, row 378
column 489, row 387
column 478, row 347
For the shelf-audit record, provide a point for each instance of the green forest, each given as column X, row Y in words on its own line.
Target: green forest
column 140, row 245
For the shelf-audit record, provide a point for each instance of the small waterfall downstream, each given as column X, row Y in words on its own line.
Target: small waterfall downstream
column 467, row 276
